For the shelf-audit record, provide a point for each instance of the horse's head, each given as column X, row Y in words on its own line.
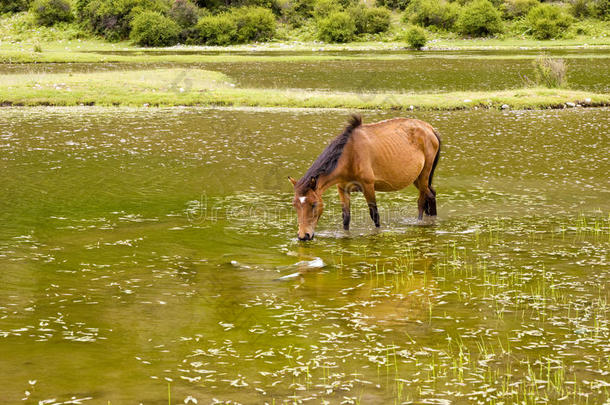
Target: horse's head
column 309, row 206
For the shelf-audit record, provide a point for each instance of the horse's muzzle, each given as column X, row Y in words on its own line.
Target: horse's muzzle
column 306, row 237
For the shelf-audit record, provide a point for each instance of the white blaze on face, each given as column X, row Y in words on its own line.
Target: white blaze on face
column 302, row 199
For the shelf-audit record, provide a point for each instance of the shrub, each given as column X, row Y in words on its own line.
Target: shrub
column 601, row 9
column 549, row 72
column 184, row 13
column 580, row 8
column 112, row 18
column 393, row 4
column 337, row 27
column 79, row 8
column 150, row 28
column 254, row 24
column 546, row 21
column 324, row 8
column 50, row 12
column 13, row 6
column 479, row 18
column 416, row 37
column 295, row 12
column 370, row 20
column 518, row 8
column 377, row 20
column 218, row 29
column 436, row 13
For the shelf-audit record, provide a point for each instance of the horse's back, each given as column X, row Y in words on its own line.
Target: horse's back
column 395, row 151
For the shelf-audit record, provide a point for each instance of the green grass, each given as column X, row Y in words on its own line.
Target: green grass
column 190, row 87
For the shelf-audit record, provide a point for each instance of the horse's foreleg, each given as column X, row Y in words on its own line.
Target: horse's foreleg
column 369, row 195
column 344, row 196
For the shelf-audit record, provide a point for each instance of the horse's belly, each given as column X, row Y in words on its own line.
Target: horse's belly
column 393, row 177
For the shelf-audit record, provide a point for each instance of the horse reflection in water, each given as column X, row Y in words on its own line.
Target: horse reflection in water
column 385, row 156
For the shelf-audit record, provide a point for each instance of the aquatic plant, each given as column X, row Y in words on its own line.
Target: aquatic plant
column 550, row 72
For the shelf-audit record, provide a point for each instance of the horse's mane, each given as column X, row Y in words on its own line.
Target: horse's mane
column 327, row 161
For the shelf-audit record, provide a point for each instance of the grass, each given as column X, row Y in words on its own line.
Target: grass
column 196, row 87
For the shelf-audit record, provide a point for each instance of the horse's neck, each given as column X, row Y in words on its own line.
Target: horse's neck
column 326, row 181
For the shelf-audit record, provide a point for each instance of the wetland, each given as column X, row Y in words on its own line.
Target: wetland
column 150, row 255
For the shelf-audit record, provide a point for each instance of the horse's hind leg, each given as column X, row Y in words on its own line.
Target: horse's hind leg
column 427, row 196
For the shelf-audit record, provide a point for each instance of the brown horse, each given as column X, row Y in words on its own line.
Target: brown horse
column 384, row 156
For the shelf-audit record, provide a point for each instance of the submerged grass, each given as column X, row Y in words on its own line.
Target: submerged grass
column 196, row 87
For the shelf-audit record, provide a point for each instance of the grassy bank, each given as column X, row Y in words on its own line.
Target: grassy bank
column 195, row 87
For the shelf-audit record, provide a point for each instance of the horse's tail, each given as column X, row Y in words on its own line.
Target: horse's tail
column 438, row 155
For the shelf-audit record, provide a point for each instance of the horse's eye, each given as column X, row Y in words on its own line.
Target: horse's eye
column 314, row 205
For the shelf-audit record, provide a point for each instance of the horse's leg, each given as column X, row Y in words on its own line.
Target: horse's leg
column 344, row 196
column 427, row 195
column 369, row 195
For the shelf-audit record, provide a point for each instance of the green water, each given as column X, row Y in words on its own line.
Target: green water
column 434, row 72
column 140, row 252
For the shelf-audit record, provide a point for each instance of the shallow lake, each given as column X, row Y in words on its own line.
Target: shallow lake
column 407, row 71
column 152, row 253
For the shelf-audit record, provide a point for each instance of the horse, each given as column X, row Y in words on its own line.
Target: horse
column 383, row 156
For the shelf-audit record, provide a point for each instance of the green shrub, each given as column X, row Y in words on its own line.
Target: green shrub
column 295, row 12
column 479, row 18
column 79, row 8
column 151, row 28
column 393, row 4
column 377, row 20
column 112, row 18
column 254, row 24
column 416, row 37
column 324, row 8
column 518, row 8
column 184, row 13
column 370, row 20
column 601, row 9
column 547, row 21
column 549, row 72
column 426, row 13
column 50, row 12
column 13, row 6
column 580, row 8
column 218, row 29
column 337, row 27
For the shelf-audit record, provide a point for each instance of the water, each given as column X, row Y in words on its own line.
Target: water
column 431, row 72
column 152, row 253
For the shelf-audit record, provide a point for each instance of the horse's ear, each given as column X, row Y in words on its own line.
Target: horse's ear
column 293, row 181
column 312, row 183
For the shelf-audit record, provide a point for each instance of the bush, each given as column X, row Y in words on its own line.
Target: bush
column 13, row 6
column 479, row 18
column 377, row 20
column 112, row 18
column 184, row 13
column 370, row 20
column 393, row 4
column 150, row 28
column 296, row 12
column 50, row 12
column 518, row 8
column 601, row 9
column 218, row 29
column 580, row 8
column 254, row 24
column 324, row 8
column 549, row 72
column 546, row 21
column 337, row 27
column 416, row 37
column 436, row 13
